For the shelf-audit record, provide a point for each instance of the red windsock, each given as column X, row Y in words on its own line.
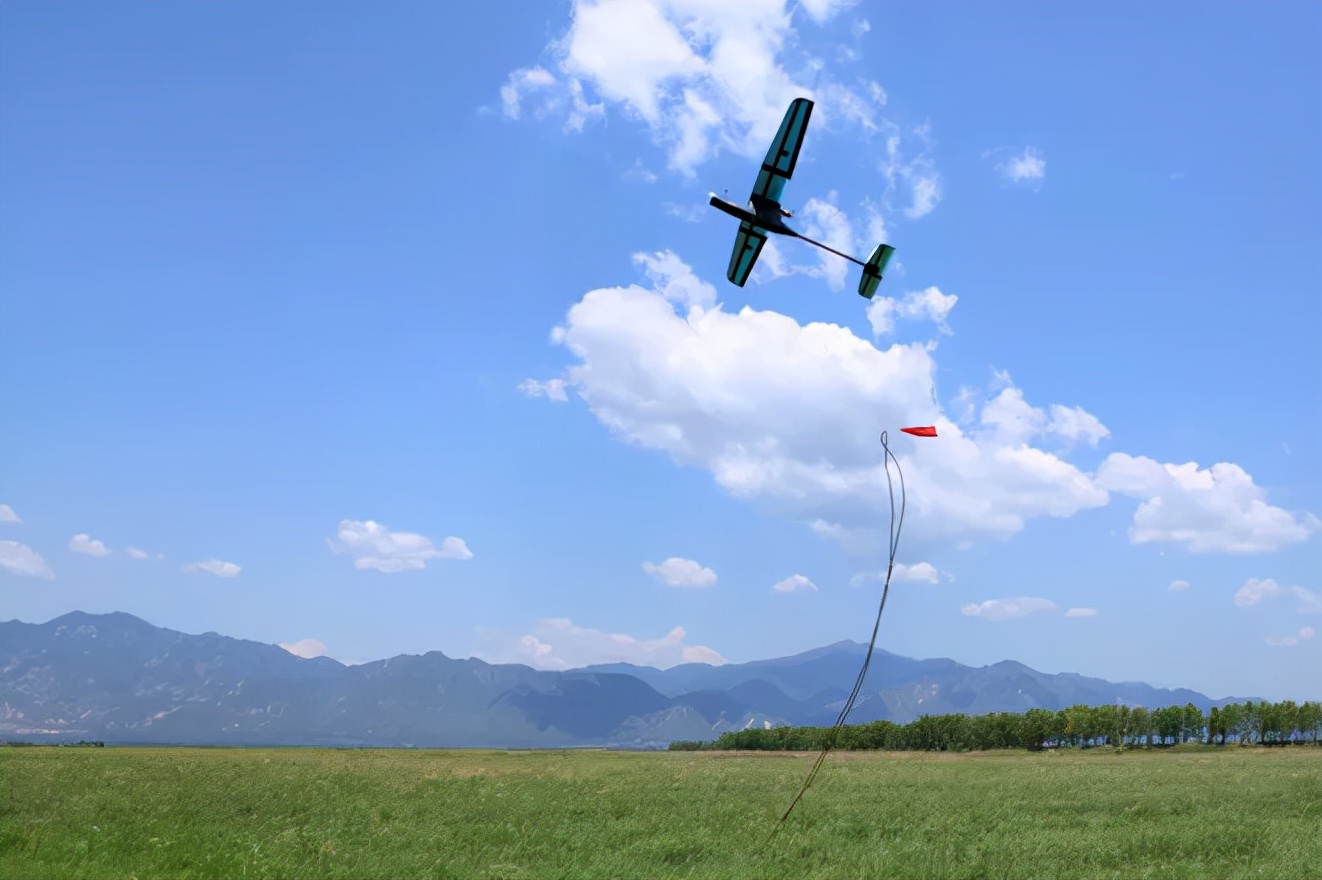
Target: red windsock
column 924, row 431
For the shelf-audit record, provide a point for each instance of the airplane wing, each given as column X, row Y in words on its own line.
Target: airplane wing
column 747, row 245
column 784, row 152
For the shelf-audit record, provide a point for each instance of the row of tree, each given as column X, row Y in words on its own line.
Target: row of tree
column 1079, row 726
column 81, row 744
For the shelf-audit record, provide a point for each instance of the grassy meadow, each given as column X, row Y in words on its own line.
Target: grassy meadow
column 291, row 813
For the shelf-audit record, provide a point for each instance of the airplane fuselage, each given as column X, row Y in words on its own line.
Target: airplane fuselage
column 766, row 216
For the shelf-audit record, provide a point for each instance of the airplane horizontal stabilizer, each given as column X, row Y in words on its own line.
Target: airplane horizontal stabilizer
column 873, row 270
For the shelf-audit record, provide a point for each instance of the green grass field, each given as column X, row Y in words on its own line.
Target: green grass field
column 323, row 813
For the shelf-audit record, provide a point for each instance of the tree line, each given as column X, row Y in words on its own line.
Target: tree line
column 1248, row 723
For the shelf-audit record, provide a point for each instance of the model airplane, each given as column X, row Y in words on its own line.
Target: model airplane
column 763, row 214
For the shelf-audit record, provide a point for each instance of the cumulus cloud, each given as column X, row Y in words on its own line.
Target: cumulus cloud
column 1026, row 167
column 929, row 304
column 679, row 572
column 538, row 87
column 216, row 567
column 1305, row 633
column 822, row 220
column 7, row 514
column 1009, row 419
column 22, row 559
column 137, row 553
column 1005, row 609
column 822, row 10
column 1255, row 590
column 521, row 83
column 923, row 572
column 825, row 221
column 910, row 171
column 1309, row 601
column 88, row 547
column 919, row 571
column 795, row 583
column 674, row 281
column 785, row 413
column 1081, row 612
column 1178, row 585
column 1209, row 510
column 639, row 174
column 703, row 77
column 552, row 389
column 373, row 546
column 558, row 643
column 305, row 648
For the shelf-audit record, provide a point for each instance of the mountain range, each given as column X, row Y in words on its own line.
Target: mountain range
column 117, row 678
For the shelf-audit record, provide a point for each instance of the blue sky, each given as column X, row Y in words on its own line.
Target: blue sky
column 379, row 329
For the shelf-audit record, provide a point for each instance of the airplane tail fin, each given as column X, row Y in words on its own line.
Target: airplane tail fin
column 873, row 269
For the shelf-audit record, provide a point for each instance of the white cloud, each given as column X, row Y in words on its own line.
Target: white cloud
column 1005, row 609
column 552, row 97
column 825, row 9
column 88, row 547
column 929, row 304
column 305, row 648
column 1074, row 423
column 679, row 572
column 919, row 571
column 910, row 168
column 1309, row 601
column 1212, row 510
column 1026, row 167
column 923, row 572
column 788, row 414
column 520, row 84
column 137, row 553
column 1304, row 634
column 793, row 584
column 1081, row 612
column 691, row 212
column 674, row 280
column 1178, row 585
column 553, row 389
column 1255, row 590
column 373, row 546
column 926, row 194
column 822, row 220
column 639, row 174
column 703, row 75
column 1013, row 421
column 22, row 559
column 559, row 644
column 216, row 567
column 7, row 514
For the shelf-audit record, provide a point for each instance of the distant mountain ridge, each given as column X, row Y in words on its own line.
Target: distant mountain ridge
column 118, row 678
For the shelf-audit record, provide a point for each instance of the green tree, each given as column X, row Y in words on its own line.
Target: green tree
column 1141, row 725
column 1191, row 726
column 1168, row 723
column 1310, row 720
column 1232, row 721
column 1036, row 727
